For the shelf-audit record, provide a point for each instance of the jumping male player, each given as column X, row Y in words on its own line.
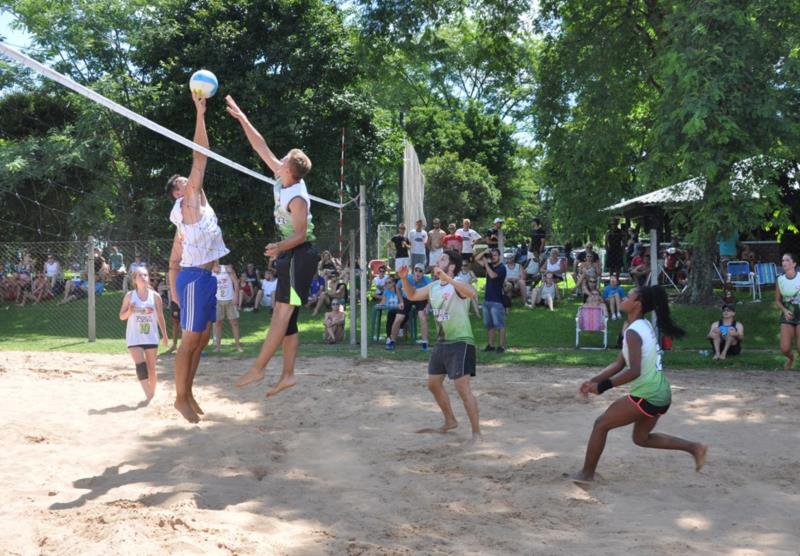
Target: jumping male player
column 296, row 258
column 198, row 243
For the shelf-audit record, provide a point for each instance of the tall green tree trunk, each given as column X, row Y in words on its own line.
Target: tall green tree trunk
column 701, row 278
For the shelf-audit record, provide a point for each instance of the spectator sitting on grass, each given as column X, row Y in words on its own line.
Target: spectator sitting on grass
column 726, row 334
column 546, row 293
column 77, row 288
column 515, row 279
column 334, row 323
column 613, row 294
column 247, row 295
column 39, row 289
column 266, row 294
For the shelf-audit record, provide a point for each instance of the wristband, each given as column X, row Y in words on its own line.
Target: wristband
column 604, row 385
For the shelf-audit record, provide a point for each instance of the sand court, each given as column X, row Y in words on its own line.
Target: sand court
column 334, row 466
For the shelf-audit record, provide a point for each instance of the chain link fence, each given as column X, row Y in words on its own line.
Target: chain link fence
column 73, row 290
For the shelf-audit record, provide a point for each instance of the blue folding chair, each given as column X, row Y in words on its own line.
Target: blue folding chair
column 766, row 273
column 741, row 276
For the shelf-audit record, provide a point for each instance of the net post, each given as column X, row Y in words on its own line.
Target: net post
column 353, row 282
column 91, row 297
column 362, row 261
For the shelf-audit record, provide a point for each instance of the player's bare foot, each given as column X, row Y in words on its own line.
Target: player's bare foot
column 282, row 385
column 581, row 477
column 700, row 454
column 251, row 376
column 789, row 363
column 448, row 426
column 195, row 406
column 476, row 440
column 186, row 410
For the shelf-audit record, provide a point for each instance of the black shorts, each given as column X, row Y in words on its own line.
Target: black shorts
column 145, row 346
column 296, row 268
column 456, row 360
column 417, row 305
column 735, row 349
column 647, row 408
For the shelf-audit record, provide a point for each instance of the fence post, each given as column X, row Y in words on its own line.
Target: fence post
column 91, row 292
column 362, row 259
column 353, row 282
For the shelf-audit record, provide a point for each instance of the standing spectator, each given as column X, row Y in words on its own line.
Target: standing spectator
column 435, row 243
column 494, row 313
column 515, row 279
column 452, row 240
column 468, row 238
column 538, row 237
column 419, row 280
column 726, row 334
column 494, row 236
column 266, row 294
column 334, row 323
column 615, row 247
column 227, row 293
column 613, row 294
column 401, row 245
column 727, row 248
column 418, row 239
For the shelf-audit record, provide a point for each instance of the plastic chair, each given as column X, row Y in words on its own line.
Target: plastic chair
column 742, row 276
column 590, row 319
column 765, row 273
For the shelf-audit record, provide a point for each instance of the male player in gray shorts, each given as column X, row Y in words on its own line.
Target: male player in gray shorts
column 453, row 354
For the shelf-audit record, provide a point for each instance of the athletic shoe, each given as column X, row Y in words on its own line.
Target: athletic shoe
column 501, row 349
column 389, row 345
column 424, row 346
column 487, row 349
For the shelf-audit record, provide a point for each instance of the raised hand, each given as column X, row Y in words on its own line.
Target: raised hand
column 199, row 103
column 233, row 109
column 403, row 272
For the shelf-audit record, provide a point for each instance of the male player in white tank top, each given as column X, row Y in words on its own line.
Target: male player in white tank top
column 296, row 258
column 197, row 244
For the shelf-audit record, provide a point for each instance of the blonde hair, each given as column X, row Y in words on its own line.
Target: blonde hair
column 299, row 163
column 138, row 272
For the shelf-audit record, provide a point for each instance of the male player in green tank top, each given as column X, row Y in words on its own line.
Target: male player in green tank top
column 453, row 355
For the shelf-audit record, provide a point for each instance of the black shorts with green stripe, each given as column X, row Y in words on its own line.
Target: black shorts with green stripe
column 456, row 359
column 295, row 269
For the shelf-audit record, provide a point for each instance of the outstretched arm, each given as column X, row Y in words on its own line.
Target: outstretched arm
column 199, row 160
column 256, row 139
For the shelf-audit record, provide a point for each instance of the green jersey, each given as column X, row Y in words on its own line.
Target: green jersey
column 283, row 218
column 451, row 312
column 651, row 384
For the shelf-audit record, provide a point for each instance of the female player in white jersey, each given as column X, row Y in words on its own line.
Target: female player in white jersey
column 142, row 308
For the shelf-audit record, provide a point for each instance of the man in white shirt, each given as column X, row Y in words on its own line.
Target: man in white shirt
column 418, row 238
column 266, row 294
column 468, row 238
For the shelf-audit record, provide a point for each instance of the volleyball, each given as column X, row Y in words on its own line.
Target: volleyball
column 204, row 83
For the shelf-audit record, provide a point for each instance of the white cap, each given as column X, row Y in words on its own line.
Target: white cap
column 498, row 220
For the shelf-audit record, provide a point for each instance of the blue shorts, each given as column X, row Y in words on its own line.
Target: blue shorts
column 494, row 314
column 197, row 292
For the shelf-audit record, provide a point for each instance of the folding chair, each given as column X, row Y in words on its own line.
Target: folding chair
column 766, row 273
column 590, row 319
column 742, row 276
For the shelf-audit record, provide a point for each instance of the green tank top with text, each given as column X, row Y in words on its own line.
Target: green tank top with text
column 451, row 313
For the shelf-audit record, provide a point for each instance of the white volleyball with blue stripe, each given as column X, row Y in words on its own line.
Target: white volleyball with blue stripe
column 204, row 83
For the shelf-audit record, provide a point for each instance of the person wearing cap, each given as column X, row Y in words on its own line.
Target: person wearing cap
column 417, row 280
column 726, row 334
column 418, row 239
column 494, row 236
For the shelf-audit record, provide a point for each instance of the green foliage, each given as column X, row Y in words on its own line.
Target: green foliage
column 452, row 184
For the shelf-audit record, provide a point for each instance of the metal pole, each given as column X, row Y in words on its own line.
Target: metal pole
column 362, row 261
column 653, row 265
column 91, row 292
column 353, row 283
column 341, row 200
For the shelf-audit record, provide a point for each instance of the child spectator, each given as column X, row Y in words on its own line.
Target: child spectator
column 613, row 294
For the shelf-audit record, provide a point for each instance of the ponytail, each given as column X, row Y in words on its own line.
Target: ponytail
column 654, row 298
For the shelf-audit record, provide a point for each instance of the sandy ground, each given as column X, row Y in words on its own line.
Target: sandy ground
column 334, row 465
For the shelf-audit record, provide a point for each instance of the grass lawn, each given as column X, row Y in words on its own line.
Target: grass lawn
column 535, row 337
